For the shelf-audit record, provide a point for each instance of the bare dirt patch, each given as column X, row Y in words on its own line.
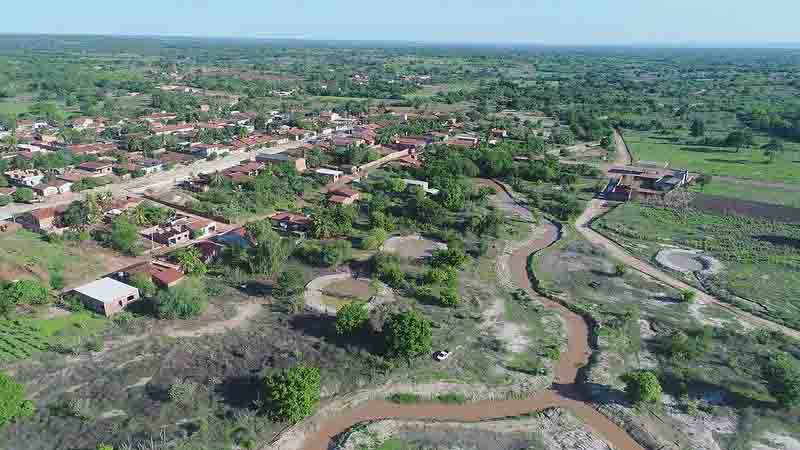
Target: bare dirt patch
column 688, row 261
column 551, row 429
column 412, row 247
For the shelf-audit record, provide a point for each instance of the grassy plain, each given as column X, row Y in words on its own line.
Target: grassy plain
column 22, row 337
column 745, row 164
column 761, row 259
column 28, row 255
column 743, row 191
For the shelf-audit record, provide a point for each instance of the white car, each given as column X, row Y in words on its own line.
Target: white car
column 442, row 355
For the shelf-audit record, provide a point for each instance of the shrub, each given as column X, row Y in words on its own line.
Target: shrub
column 404, row 398
column 451, row 257
column 642, row 387
column 374, row 239
column 143, row 282
column 783, row 379
column 185, row 301
column 183, row 392
column 26, row 292
column 449, row 298
column 620, row 269
column 125, row 237
column 407, row 335
column 80, row 408
column 4, row 200
column 438, row 275
column 94, row 344
column 351, row 318
column 452, row 398
column 688, row 296
column 13, row 404
column 290, row 283
column 23, row 195
column 292, row 394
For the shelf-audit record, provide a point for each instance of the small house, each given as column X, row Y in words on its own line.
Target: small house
column 287, row 221
column 107, row 296
column 330, row 174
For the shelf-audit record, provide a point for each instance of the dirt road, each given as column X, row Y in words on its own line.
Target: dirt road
column 597, row 208
column 317, row 432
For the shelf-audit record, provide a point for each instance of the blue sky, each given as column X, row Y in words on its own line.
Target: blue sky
column 533, row 21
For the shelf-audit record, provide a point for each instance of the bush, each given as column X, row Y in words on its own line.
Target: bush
column 13, row 404
column 451, row 257
column 143, row 282
column 642, row 387
column 688, row 296
column 22, row 195
column 407, row 335
column 335, row 253
column 620, row 269
column 290, row 283
column 449, row 298
column 185, row 301
column 183, row 392
column 125, row 237
column 80, row 408
column 25, row 292
column 783, row 379
column 351, row 318
column 292, row 394
column 4, row 200
column 404, row 398
column 437, row 275
column 374, row 239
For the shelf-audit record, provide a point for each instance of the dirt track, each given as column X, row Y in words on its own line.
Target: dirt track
column 598, row 208
column 564, row 393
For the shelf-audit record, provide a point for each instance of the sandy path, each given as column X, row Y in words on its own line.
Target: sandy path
column 565, row 392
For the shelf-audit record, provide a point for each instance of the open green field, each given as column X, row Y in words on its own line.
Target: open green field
column 743, row 191
column 20, row 338
column 746, row 164
column 11, row 107
column 28, row 255
column 761, row 259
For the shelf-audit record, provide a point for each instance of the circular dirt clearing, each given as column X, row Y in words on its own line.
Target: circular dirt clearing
column 327, row 294
column 412, row 247
column 687, row 261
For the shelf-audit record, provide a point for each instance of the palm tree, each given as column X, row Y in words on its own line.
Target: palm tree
column 139, row 215
column 217, row 179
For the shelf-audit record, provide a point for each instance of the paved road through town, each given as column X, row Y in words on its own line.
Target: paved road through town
column 157, row 181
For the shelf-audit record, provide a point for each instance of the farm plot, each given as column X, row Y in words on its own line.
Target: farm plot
column 761, row 258
column 19, row 341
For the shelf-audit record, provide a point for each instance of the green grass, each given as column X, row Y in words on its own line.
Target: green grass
column 394, row 444
column 13, row 108
column 748, row 192
column 28, row 255
column 22, row 338
column 746, row 164
column 762, row 261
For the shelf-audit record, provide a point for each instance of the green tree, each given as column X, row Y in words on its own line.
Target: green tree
column 23, row 195
column 335, row 253
column 451, row 257
column 125, row 237
column 782, row 373
column 191, row 260
column 144, row 283
column 351, row 318
column 269, row 253
column 739, row 139
column 290, row 283
column 407, row 335
column 698, row 128
column 13, row 402
column 292, row 394
column 642, row 386
column 374, row 239
column 185, row 301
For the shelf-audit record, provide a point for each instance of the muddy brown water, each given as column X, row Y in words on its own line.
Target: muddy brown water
column 564, row 393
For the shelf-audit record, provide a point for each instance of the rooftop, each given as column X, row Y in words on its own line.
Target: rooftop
column 107, row 290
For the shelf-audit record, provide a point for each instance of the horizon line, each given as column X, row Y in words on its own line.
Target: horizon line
column 732, row 45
